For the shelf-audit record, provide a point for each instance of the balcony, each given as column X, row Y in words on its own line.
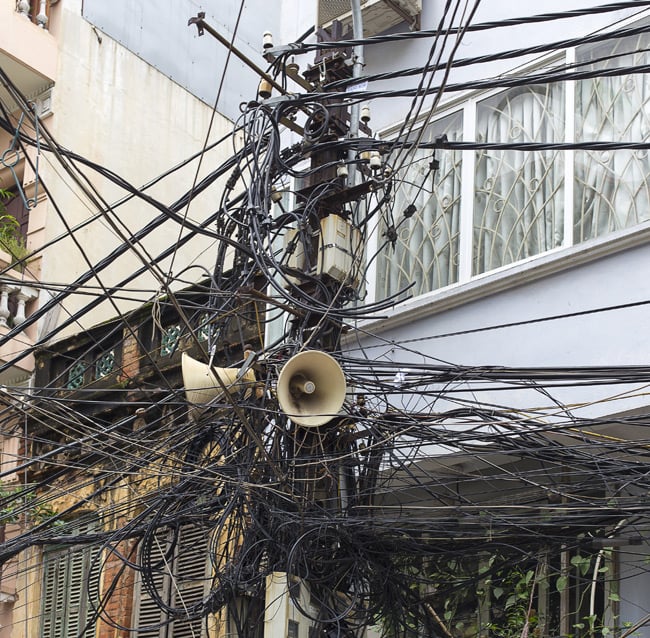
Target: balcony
column 28, row 52
column 17, row 300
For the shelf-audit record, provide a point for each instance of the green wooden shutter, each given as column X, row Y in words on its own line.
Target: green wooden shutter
column 65, row 606
column 192, row 579
column 147, row 614
column 54, row 584
column 181, row 583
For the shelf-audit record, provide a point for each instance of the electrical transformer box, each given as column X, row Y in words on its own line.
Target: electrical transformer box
column 339, row 251
column 282, row 618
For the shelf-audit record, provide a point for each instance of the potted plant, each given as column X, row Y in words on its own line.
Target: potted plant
column 11, row 241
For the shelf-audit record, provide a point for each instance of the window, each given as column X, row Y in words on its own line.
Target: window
column 104, row 364
column 612, row 188
column 180, row 575
column 425, row 247
column 518, row 195
column 69, row 586
column 169, row 340
column 484, row 210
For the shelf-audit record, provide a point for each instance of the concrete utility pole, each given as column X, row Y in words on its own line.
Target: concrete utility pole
column 357, row 68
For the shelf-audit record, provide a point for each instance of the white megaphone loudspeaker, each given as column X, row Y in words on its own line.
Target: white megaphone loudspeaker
column 311, row 388
column 201, row 383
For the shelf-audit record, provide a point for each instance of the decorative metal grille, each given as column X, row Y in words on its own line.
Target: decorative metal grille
column 76, row 375
column 169, row 341
column 105, row 364
column 518, row 205
column 612, row 187
column 204, row 329
column 424, row 254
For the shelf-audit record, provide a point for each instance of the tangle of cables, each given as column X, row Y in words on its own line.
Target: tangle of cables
column 430, row 483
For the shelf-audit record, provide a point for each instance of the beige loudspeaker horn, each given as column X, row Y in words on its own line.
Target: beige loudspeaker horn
column 311, row 388
column 201, row 384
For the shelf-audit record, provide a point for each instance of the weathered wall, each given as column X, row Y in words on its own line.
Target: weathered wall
column 119, row 112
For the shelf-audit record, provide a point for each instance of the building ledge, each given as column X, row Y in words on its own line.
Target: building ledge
column 28, row 54
column 507, row 277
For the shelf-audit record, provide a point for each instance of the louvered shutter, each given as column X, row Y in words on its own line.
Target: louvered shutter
column 192, row 579
column 148, row 614
column 54, row 583
column 65, row 606
column 79, row 610
column 181, row 583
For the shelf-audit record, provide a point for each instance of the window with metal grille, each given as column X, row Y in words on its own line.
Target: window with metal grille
column 484, row 210
column 421, row 234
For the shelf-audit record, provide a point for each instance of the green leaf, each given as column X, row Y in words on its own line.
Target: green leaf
column 615, row 597
column 498, row 592
column 582, row 563
column 561, row 583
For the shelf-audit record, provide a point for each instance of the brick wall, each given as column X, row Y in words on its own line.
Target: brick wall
column 130, row 354
column 117, row 592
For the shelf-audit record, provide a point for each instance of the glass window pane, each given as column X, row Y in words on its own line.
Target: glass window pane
column 518, row 200
column 612, row 187
column 425, row 247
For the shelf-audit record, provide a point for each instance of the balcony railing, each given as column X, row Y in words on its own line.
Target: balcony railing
column 38, row 11
column 14, row 298
column 17, row 300
column 16, row 293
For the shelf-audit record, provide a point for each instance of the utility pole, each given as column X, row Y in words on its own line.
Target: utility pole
column 330, row 260
column 324, row 245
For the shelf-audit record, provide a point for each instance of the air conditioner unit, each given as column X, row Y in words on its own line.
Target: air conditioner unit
column 282, row 618
column 378, row 15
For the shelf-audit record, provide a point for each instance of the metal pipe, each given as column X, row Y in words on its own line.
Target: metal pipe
column 357, row 67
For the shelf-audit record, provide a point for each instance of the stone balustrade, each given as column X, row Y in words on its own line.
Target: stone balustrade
column 14, row 297
column 27, row 8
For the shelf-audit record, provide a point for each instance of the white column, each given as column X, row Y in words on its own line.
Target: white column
column 569, row 155
column 466, row 240
column 24, row 294
column 4, row 306
column 41, row 18
column 23, row 8
column 19, row 317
